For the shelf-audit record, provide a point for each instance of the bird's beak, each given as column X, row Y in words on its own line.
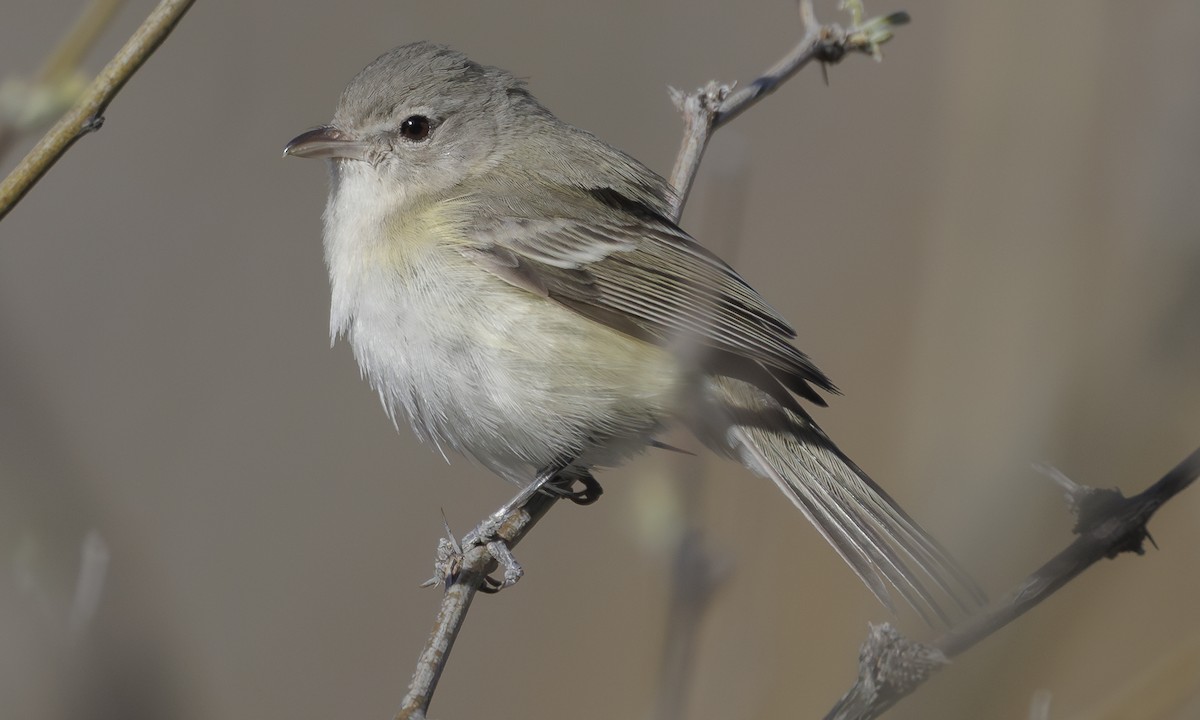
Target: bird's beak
column 326, row 142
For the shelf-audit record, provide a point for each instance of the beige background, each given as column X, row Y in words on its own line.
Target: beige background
column 991, row 241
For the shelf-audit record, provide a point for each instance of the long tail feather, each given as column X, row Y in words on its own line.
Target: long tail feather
column 881, row 543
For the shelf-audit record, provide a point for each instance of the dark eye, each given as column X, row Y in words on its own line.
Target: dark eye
column 415, row 128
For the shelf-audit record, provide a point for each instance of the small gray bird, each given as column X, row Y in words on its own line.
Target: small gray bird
column 516, row 287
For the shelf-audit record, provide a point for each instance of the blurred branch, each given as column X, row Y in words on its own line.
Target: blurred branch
column 1107, row 524
column 697, row 572
column 29, row 105
column 695, row 577
column 714, row 105
column 89, row 587
column 88, row 113
column 70, row 628
column 704, row 112
column 68, row 56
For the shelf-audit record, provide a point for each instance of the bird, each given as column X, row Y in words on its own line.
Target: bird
column 517, row 289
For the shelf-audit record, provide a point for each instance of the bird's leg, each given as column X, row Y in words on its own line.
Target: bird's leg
column 488, row 528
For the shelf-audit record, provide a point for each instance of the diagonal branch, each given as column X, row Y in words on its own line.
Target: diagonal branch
column 703, row 115
column 1107, row 524
column 28, row 105
column 472, row 570
column 714, row 105
column 88, row 113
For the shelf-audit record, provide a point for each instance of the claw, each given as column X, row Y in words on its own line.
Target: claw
column 490, row 586
column 588, row 494
column 502, row 554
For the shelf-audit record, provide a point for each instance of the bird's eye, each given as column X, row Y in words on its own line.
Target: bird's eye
column 415, row 128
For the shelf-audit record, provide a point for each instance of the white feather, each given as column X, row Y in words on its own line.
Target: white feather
column 508, row 377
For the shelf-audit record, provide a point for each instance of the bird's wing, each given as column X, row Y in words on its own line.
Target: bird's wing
column 646, row 277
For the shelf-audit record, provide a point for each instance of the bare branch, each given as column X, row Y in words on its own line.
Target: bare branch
column 714, row 105
column 29, row 105
column 1107, row 524
column 889, row 667
column 88, row 113
column 696, row 575
column 89, row 587
column 68, row 55
column 473, row 568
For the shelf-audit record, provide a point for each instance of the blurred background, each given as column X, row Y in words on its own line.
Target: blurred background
column 991, row 242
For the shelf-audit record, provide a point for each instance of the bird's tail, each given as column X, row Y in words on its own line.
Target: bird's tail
column 773, row 436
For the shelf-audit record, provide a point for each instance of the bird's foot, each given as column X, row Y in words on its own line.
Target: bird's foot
column 451, row 557
column 454, row 556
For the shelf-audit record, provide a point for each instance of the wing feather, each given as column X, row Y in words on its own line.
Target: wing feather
column 648, row 277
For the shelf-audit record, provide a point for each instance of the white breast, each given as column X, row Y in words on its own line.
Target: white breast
column 510, row 378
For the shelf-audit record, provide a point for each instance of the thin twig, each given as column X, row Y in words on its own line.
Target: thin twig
column 473, row 569
column 89, row 586
column 696, row 575
column 59, row 77
column 714, row 105
column 88, row 113
column 831, row 43
column 1107, row 525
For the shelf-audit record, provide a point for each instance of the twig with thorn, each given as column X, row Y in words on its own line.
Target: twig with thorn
column 1107, row 524
column 714, row 105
